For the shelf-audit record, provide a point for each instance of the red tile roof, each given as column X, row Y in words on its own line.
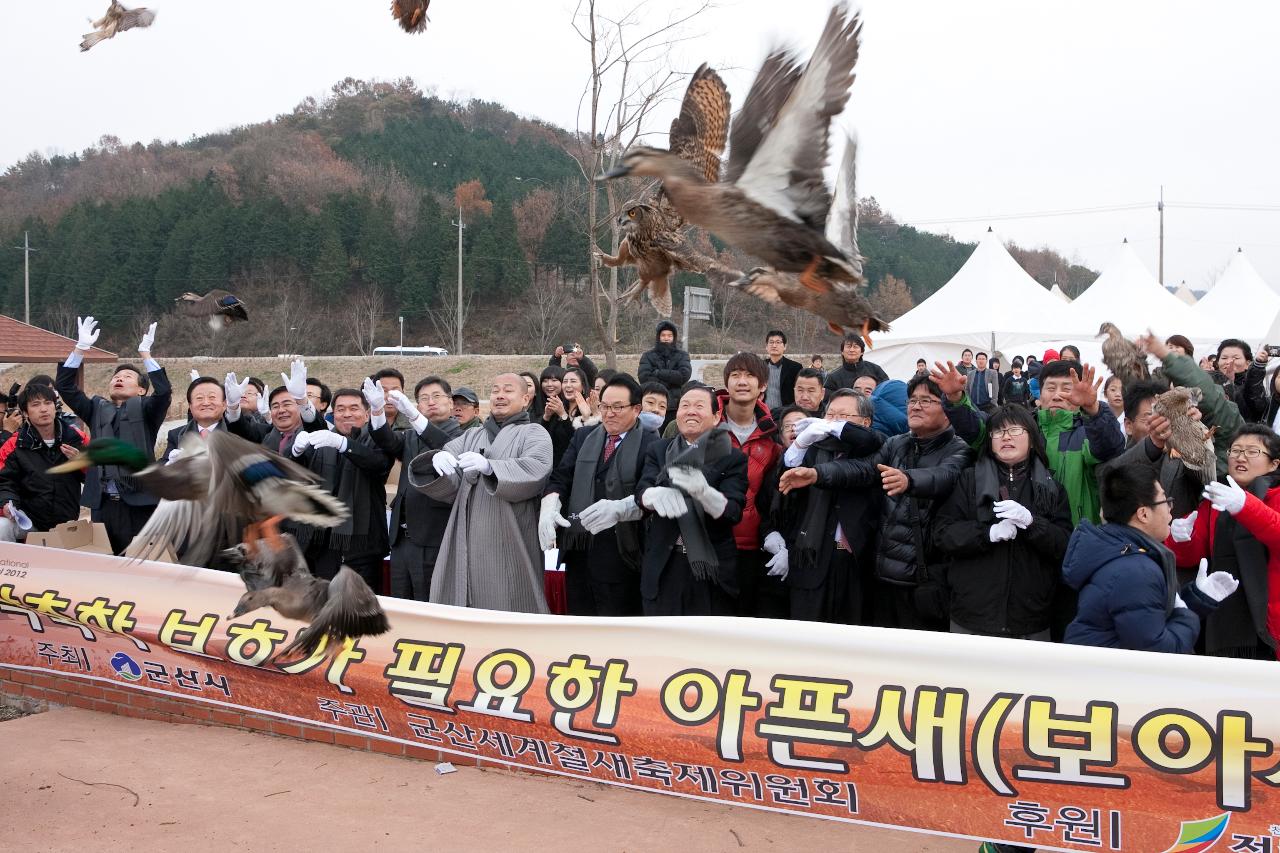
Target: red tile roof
column 31, row 345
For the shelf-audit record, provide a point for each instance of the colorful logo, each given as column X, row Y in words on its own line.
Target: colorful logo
column 126, row 667
column 1200, row 835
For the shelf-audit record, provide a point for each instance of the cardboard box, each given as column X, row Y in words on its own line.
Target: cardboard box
column 79, row 535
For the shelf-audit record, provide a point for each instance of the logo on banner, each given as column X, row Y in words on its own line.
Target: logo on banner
column 1197, row 836
column 126, row 667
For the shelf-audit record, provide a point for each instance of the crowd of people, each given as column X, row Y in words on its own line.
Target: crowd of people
column 1041, row 503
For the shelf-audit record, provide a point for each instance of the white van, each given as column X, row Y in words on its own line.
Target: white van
column 410, row 351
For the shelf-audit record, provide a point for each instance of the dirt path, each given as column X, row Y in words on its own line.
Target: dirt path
column 79, row 780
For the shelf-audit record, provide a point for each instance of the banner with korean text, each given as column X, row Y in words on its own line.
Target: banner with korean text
column 1052, row 747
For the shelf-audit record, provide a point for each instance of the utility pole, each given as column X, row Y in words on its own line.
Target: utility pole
column 457, row 344
column 401, row 335
column 1160, row 208
column 26, row 276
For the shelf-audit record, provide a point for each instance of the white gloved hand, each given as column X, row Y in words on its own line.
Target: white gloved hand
column 1003, row 531
column 301, row 442
column 1181, row 529
column 87, row 332
column 665, row 501
column 810, row 430
column 148, row 339
column 296, row 381
column 174, row 456
column 374, row 394
column 195, row 374
column 1013, row 511
column 694, row 483
column 549, row 518
column 779, row 564
column 1227, row 497
column 264, row 407
column 1178, row 603
column 472, row 462
column 444, row 463
column 234, row 390
column 773, row 543
column 403, row 404
column 604, row 513
column 1218, row 585
column 327, row 438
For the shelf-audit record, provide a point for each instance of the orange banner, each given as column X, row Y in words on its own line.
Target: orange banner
column 1053, row 747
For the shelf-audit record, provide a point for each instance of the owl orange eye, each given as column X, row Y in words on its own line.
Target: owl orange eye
column 631, row 213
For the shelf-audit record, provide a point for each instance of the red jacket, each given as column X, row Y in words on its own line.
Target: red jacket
column 763, row 452
column 1262, row 520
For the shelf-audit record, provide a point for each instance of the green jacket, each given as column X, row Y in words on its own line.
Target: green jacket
column 1216, row 410
column 1075, row 443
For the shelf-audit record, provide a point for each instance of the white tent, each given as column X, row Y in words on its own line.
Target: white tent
column 1058, row 292
column 1127, row 294
column 1240, row 303
column 989, row 304
column 1185, row 293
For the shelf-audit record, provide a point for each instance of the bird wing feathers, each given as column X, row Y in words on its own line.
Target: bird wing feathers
column 136, row 18
column 785, row 173
column 774, row 83
column 174, row 524
column 411, row 14
column 698, row 133
column 352, row 610
column 186, row 478
column 842, row 221
column 213, row 302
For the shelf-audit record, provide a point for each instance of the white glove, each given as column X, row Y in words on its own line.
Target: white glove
column 234, row 389
column 326, row 438
column 779, row 564
column 1178, row 603
column 810, row 430
column 296, row 381
column 1225, row 498
column 665, row 501
column 1003, row 531
column 773, row 543
column 1218, row 585
column 374, row 394
column 549, row 518
column 604, row 513
column 694, row 483
column 195, row 374
column 174, row 456
column 1013, row 511
column 144, row 346
column 87, row 333
column 403, row 404
column 475, row 463
column 301, row 442
column 445, row 463
column 264, row 407
column 1182, row 528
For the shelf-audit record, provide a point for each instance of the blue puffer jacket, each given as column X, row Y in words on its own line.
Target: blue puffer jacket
column 1126, row 584
column 890, row 399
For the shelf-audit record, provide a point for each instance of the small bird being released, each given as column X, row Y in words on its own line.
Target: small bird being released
column 341, row 609
column 116, row 20
column 1189, row 439
column 222, row 308
column 411, row 14
column 1122, row 356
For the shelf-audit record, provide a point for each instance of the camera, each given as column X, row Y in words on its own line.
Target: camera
column 1272, row 350
column 11, row 399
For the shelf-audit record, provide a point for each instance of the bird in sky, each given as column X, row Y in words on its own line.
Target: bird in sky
column 116, row 20
column 411, row 14
column 222, row 308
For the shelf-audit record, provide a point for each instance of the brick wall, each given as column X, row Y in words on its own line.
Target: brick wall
column 33, row 691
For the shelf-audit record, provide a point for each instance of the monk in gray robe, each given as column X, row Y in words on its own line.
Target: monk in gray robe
column 494, row 477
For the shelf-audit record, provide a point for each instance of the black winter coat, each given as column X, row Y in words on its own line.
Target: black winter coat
column 48, row 499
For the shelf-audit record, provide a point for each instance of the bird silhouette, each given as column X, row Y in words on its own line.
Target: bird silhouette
column 116, row 20
column 411, row 14
column 222, row 308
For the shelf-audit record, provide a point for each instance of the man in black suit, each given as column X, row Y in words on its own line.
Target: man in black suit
column 207, row 410
column 289, row 411
column 591, row 494
column 129, row 414
column 782, row 371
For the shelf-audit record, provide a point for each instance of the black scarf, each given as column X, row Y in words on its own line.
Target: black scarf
column 990, row 475
column 493, row 426
column 710, row 447
column 619, row 482
column 814, row 542
column 1234, row 628
column 342, row 479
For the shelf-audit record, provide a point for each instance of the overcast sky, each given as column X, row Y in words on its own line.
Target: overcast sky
column 964, row 111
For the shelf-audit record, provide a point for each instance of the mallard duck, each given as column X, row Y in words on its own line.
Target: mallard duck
column 1122, row 356
column 116, row 20
column 222, row 308
column 653, row 240
column 840, row 303
column 339, row 609
column 217, row 486
column 411, row 14
column 773, row 200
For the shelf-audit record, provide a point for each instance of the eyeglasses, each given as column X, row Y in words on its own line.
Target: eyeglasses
column 1009, row 432
column 1166, row 501
column 615, row 408
column 1248, row 452
column 432, row 398
column 922, row 403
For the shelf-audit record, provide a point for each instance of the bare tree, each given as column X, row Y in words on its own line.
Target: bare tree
column 445, row 318
column 630, row 78
column 547, row 308
column 364, row 312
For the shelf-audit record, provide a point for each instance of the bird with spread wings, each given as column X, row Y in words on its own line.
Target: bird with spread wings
column 116, row 20
column 220, row 307
column 655, row 240
column 411, row 14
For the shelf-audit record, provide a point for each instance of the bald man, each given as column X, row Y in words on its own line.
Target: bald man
column 494, row 477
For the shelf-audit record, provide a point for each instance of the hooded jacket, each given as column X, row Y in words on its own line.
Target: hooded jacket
column 48, row 500
column 666, row 363
column 890, row 400
column 763, row 452
column 1127, row 586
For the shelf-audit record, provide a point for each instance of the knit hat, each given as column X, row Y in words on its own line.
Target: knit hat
column 1050, row 355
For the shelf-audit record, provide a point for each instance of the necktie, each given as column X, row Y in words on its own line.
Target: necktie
column 204, row 432
column 609, row 446
column 284, row 441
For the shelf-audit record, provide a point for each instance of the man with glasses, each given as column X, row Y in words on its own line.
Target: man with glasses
column 780, row 390
column 417, row 521
column 591, row 495
column 909, row 473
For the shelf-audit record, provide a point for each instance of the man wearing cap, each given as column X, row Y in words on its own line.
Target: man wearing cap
column 466, row 407
column 853, row 365
column 128, row 414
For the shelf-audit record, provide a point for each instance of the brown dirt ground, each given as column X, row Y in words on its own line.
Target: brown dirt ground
column 70, row 780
